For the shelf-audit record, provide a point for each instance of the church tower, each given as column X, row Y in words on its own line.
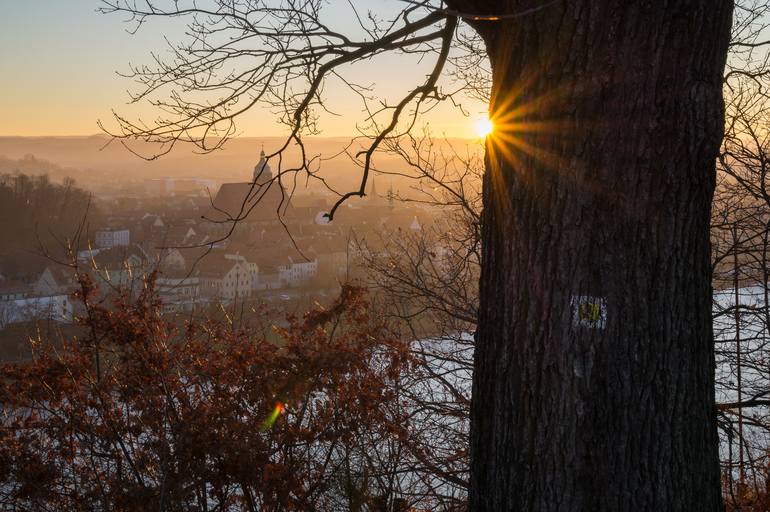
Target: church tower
column 259, row 204
column 262, row 171
column 373, row 198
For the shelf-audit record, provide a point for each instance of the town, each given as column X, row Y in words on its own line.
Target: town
column 249, row 243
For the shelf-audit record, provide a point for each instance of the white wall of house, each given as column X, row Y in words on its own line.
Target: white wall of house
column 48, row 284
column 178, row 293
column 105, row 238
column 297, row 273
column 237, row 282
column 133, row 270
column 253, row 271
column 172, row 289
column 55, row 307
column 209, row 286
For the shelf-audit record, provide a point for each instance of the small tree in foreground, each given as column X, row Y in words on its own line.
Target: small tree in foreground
column 139, row 414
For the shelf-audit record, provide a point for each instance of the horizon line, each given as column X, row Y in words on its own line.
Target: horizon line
column 106, row 136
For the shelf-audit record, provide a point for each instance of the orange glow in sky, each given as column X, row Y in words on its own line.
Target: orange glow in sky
column 59, row 62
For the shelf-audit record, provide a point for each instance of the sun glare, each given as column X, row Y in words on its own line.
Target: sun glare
column 484, row 127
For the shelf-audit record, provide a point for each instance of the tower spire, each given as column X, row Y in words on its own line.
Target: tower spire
column 262, row 172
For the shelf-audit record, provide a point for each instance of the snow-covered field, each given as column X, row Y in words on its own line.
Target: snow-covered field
column 747, row 331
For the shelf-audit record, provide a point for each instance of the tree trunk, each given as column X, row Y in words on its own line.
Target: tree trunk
column 594, row 368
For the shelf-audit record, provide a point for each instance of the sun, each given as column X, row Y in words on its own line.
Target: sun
column 484, row 127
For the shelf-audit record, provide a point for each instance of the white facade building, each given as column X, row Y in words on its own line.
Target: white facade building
column 237, row 282
column 58, row 308
column 178, row 293
column 228, row 278
column 296, row 273
column 105, row 238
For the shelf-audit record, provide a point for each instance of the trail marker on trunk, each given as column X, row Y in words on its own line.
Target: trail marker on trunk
column 589, row 311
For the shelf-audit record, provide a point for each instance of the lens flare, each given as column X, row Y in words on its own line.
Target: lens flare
column 484, row 127
column 270, row 420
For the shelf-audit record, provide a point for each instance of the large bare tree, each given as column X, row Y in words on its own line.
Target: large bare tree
column 593, row 384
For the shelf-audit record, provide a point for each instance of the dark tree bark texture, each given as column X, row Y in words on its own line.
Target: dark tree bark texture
column 594, row 366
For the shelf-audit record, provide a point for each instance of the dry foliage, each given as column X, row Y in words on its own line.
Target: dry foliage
column 142, row 415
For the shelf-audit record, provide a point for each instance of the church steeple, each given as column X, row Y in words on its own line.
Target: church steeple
column 262, row 172
column 372, row 197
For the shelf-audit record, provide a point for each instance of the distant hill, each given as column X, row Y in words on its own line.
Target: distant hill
column 33, row 166
column 93, row 158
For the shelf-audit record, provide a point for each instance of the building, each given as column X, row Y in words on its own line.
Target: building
column 174, row 236
column 226, row 276
column 333, row 258
column 57, row 308
column 177, row 186
column 106, row 238
column 295, row 272
column 269, row 278
column 120, row 266
column 55, row 280
column 178, row 291
column 257, row 201
column 13, row 290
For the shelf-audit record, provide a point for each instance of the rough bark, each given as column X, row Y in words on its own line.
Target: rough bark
column 599, row 183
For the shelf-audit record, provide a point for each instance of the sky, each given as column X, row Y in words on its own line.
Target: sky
column 59, row 58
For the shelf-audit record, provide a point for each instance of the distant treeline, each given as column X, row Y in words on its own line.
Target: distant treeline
column 34, row 166
column 37, row 215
